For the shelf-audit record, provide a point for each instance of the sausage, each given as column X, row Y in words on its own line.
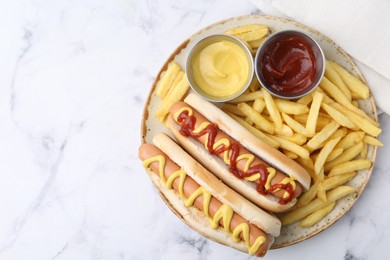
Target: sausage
column 190, row 186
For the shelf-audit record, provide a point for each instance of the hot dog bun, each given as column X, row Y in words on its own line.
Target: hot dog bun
column 260, row 223
column 248, row 140
column 263, row 151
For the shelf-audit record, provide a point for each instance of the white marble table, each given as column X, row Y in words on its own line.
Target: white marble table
column 73, row 79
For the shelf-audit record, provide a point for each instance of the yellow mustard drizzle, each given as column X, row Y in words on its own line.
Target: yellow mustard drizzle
column 249, row 157
column 182, row 175
column 225, row 212
column 226, row 154
column 272, row 173
column 290, row 180
column 244, row 229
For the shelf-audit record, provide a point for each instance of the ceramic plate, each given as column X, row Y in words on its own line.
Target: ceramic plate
column 290, row 234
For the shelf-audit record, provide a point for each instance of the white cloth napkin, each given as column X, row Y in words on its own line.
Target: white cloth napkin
column 360, row 27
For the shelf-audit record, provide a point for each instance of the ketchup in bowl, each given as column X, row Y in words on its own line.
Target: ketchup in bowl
column 289, row 64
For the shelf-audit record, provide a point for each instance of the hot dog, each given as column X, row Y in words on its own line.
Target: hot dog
column 199, row 197
column 250, row 166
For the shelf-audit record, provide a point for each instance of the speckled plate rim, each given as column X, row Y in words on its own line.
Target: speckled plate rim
column 348, row 201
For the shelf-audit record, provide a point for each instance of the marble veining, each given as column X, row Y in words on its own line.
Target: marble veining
column 74, row 77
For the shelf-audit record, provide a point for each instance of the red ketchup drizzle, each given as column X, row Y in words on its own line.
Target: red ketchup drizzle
column 187, row 124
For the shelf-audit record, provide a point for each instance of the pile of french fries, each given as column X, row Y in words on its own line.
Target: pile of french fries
column 171, row 88
column 326, row 132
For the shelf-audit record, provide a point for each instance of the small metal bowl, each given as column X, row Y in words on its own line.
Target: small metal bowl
column 318, row 54
column 201, row 45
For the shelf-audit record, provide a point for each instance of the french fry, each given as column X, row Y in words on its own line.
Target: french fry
column 320, row 193
column 308, row 196
column 308, row 148
column 321, row 136
column 352, row 82
column 338, row 116
column 255, row 85
column 176, row 94
column 305, row 100
column 350, row 166
column 296, row 126
column 166, row 79
column 176, row 81
column 245, row 28
column 258, row 105
column 313, row 175
column 290, row 146
column 316, row 216
column 363, row 153
column 261, row 123
column 335, row 181
column 341, row 132
column 348, row 155
column 321, row 175
column 334, row 154
column 230, row 108
column 291, row 108
column 335, row 78
column 313, row 113
column 256, row 131
column 335, row 92
column 272, row 109
column 359, row 121
column 324, row 153
column 290, row 154
column 252, row 35
column 284, row 131
column 314, row 205
column 372, row 140
column 326, row 99
column 256, row 43
column 350, row 139
column 295, row 138
column 247, row 97
column 321, row 120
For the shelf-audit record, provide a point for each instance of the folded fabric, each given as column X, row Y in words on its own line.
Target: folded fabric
column 358, row 26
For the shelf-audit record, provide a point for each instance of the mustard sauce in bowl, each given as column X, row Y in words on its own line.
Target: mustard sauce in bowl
column 219, row 68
